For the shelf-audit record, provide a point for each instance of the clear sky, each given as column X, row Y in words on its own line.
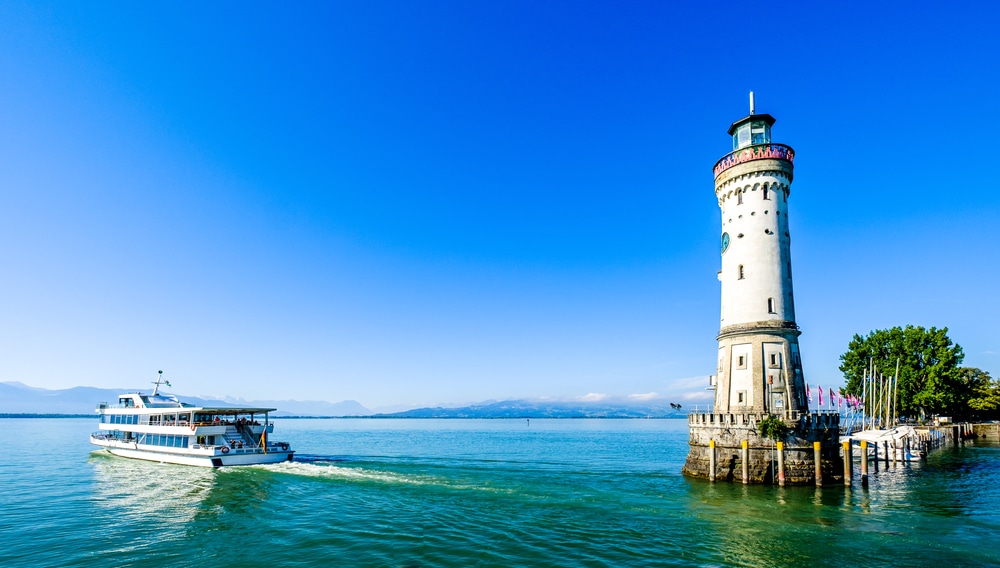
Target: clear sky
column 413, row 203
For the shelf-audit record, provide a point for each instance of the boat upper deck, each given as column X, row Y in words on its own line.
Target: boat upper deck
column 138, row 403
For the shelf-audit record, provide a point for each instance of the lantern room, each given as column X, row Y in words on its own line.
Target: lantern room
column 754, row 129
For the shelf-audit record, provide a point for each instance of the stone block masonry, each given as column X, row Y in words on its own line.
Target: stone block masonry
column 729, row 431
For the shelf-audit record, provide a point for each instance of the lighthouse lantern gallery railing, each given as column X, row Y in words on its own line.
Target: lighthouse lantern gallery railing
column 755, row 152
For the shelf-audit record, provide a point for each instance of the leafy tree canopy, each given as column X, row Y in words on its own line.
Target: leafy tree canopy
column 984, row 392
column 773, row 428
column 930, row 379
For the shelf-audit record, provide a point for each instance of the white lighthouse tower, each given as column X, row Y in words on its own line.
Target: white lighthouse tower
column 759, row 375
column 758, row 363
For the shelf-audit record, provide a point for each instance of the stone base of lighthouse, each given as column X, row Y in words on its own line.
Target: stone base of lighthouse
column 728, row 432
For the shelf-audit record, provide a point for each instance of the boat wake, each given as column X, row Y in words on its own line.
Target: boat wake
column 326, row 468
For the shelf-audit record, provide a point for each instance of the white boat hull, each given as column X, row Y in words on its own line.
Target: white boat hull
column 201, row 459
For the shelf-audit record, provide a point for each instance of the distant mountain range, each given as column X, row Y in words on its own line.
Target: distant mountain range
column 534, row 409
column 18, row 398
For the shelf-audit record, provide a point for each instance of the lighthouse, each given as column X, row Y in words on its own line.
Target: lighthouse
column 759, row 367
column 758, row 377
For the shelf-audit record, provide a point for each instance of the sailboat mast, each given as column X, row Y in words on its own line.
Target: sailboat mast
column 895, row 394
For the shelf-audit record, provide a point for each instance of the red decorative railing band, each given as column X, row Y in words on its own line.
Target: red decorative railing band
column 756, row 152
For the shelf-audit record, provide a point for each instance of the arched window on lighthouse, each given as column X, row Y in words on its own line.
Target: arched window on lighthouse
column 770, row 305
column 739, row 198
column 765, row 194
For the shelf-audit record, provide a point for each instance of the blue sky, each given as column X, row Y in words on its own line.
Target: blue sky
column 412, row 203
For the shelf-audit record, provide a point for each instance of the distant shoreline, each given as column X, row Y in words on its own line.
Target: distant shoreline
column 29, row 415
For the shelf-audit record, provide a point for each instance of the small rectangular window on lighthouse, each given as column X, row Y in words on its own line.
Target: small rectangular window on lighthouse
column 739, row 272
column 741, row 362
column 765, row 193
column 770, row 305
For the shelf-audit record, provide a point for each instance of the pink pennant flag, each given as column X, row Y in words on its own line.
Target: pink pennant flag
column 809, row 393
column 820, row 391
column 831, row 397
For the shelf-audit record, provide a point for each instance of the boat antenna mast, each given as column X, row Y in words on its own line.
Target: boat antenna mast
column 159, row 381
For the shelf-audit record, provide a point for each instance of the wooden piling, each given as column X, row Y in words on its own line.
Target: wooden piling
column 817, row 457
column 848, row 462
column 864, row 463
column 746, row 462
column 711, row 460
column 875, row 455
column 781, row 464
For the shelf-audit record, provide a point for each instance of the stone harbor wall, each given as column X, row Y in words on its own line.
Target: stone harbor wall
column 987, row 431
column 729, row 431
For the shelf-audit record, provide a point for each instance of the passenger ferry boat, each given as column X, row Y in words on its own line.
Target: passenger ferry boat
column 158, row 427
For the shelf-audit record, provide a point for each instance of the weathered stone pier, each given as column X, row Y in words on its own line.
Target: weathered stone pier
column 729, row 447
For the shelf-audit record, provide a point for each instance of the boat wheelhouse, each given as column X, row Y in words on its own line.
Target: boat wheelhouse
column 159, row 427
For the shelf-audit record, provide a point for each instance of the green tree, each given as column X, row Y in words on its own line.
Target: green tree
column 773, row 428
column 930, row 379
column 984, row 392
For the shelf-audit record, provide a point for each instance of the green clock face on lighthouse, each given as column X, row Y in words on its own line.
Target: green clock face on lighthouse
column 725, row 241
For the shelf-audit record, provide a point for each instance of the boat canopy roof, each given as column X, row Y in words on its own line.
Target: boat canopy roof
column 170, row 402
column 883, row 435
column 226, row 411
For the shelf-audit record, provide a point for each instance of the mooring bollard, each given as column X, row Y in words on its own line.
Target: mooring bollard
column 817, row 457
column 781, row 464
column 711, row 460
column 848, row 462
column 864, row 463
column 746, row 462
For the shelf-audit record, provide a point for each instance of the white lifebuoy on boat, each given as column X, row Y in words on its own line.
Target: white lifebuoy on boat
column 225, row 449
column 284, row 446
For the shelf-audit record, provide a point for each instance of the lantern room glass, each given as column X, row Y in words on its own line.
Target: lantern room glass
column 754, row 132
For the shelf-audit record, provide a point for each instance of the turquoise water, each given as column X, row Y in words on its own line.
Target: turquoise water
column 476, row 493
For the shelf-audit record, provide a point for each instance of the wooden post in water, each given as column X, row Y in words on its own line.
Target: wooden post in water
column 875, row 455
column 817, row 457
column 848, row 462
column 711, row 460
column 864, row 463
column 781, row 464
column 746, row 462
column 885, row 446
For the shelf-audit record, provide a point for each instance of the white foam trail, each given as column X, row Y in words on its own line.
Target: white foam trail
column 369, row 475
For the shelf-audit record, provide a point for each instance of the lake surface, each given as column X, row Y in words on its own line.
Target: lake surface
column 365, row 492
